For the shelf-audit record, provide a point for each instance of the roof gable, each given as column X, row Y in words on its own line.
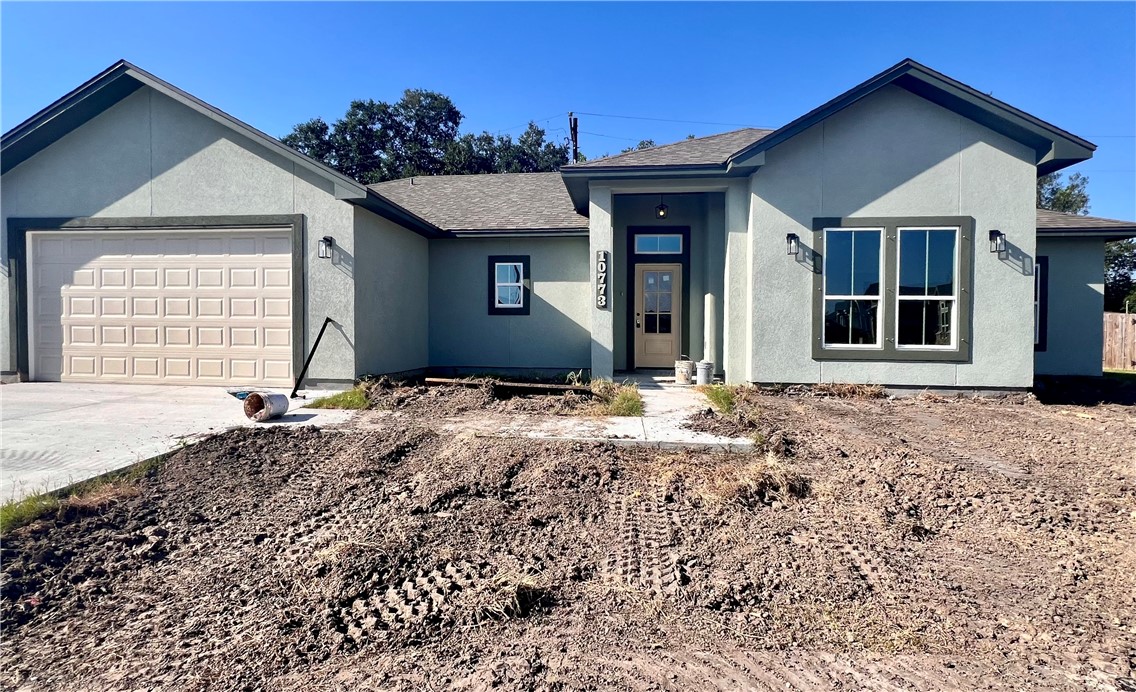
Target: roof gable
column 122, row 79
column 1055, row 148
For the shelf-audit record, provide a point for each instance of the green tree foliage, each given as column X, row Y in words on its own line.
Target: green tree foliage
column 1070, row 197
column 643, row 144
column 1120, row 275
column 376, row 141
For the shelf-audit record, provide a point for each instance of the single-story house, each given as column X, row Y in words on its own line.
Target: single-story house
column 889, row 236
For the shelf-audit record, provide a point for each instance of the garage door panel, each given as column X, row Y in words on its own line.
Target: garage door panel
column 139, row 307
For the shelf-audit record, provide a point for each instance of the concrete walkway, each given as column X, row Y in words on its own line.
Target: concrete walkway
column 666, row 407
column 53, row 434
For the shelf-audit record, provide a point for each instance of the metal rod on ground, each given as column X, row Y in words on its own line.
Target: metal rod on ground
column 300, row 379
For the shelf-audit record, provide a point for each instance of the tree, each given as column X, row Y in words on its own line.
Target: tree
column 1070, row 197
column 1119, row 275
column 643, row 144
column 376, row 141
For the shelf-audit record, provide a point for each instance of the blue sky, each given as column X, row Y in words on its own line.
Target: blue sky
column 733, row 64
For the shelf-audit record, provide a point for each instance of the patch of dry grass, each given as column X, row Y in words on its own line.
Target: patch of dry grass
column 749, row 485
column 722, row 397
column 507, row 595
column 847, row 390
column 613, row 399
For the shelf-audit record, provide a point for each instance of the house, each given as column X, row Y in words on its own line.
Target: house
column 888, row 236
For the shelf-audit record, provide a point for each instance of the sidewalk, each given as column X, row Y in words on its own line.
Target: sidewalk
column 666, row 407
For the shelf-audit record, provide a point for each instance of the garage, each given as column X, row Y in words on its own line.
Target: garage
column 161, row 305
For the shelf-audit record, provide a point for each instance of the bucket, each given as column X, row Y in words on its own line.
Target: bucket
column 684, row 371
column 705, row 372
column 262, row 406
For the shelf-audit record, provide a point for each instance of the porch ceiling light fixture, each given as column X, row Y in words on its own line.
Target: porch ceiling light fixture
column 998, row 242
column 661, row 210
column 325, row 245
column 792, row 244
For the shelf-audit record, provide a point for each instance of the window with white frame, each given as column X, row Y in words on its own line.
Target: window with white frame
column 658, row 244
column 508, row 285
column 852, row 270
column 927, row 288
column 893, row 289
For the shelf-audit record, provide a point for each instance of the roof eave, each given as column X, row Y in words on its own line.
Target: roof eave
column 577, row 180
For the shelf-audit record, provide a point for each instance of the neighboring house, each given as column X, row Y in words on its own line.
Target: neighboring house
column 150, row 237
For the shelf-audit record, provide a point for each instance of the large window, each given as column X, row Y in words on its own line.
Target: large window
column 928, row 267
column 893, row 289
column 852, row 268
column 508, row 285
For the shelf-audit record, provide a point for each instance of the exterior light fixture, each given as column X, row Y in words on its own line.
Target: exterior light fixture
column 661, row 210
column 325, row 245
column 998, row 242
column 792, row 244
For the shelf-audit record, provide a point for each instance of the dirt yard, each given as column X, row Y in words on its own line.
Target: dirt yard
column 915, row 544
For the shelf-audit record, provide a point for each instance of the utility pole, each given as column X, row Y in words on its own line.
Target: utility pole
column 573, row 124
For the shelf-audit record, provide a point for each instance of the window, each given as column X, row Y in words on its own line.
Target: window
column 852, row 287
column 893, row 289
column 1040, row 303
column 509, row 285
column 653, row 244
column 928, row 264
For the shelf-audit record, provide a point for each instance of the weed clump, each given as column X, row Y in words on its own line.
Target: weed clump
column 354, row 398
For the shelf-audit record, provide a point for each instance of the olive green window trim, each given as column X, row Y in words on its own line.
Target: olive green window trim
column 888, row 351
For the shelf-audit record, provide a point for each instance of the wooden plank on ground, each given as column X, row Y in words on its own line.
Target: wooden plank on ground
column 500, row 384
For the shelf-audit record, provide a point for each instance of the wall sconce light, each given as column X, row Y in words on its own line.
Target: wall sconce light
column 998, row 242
column 792, row 244
column 326, row 243
column 661, row 210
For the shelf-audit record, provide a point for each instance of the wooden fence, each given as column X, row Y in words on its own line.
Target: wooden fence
column 1119, row 341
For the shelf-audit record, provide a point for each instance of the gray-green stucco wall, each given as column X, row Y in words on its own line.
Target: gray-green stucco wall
column 894, row 154
column 150, row 156
column 1075, row 334
column 553, row 336
column 391, row 276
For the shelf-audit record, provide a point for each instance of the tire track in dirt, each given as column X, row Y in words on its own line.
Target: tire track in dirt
column 649, row 530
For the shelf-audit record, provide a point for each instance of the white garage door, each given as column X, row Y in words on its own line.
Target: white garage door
column 161, row 306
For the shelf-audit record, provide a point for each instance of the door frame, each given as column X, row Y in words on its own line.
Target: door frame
column 634, row 259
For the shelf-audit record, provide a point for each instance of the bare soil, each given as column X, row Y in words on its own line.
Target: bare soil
column 449, row 400
column 913, row 544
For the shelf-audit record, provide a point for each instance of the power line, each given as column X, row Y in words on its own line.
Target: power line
column 597, row 134
column 666, row 120
column 506, row 129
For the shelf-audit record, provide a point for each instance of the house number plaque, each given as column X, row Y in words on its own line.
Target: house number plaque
column 601, row 279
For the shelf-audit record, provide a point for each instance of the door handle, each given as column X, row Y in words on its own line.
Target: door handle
column 637, row 323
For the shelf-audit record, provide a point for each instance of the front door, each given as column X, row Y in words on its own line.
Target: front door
column 658, row 314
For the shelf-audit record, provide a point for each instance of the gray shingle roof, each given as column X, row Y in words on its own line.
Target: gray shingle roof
column 490, row 202
column 711, row 150
column 1060, row 221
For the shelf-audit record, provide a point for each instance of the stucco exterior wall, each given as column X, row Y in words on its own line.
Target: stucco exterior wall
column 150, row 156
column 893, row 154
column 1075, row 336
column 392, row 286
column 553, row 336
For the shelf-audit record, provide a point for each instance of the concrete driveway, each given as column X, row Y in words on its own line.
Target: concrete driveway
column 53, row 434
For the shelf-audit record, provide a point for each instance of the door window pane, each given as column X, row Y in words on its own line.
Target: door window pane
column 651, row 244
column 650, row 302
column 665, row 323
column 651, row 324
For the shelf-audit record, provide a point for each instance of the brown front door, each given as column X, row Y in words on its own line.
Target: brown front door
column 658, row 314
